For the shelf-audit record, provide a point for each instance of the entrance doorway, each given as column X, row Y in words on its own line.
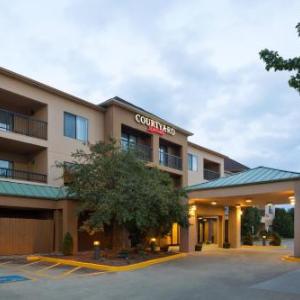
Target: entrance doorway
column 207, row 230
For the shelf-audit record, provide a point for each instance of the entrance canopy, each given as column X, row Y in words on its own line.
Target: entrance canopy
column 254, row 187
column 258, row 186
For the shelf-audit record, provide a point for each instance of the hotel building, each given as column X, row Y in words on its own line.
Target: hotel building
column 40, row 125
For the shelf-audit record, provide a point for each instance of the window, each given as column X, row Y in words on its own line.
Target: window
column 128, row 141
column 75, row 127
column 193, row 162
column 5, row 167
column 163, row 155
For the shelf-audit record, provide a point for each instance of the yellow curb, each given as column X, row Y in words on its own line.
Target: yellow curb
column 263, row 247
column 291, row 258
column 107, row 268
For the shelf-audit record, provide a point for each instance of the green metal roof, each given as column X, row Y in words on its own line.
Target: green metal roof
column 253, row 176
column 30, row 190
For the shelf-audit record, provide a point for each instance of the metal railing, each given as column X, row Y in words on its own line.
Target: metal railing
column 169, row 160
column 18, row 123
column 143, row 152
column 22, row 175
column 211, row 175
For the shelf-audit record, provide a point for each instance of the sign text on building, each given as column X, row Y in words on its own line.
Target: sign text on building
column 154, row 126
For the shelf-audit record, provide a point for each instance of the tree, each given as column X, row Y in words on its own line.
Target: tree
column 283, row 222
column 274, row 61
column 250, row 221
column 118, row 189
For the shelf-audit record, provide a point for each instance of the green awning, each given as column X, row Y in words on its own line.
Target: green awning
column 257, row 175
column 31, row 190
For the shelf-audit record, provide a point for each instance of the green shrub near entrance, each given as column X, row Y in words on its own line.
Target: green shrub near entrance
column 247, row 240
column 275, row 239
column 67, row 244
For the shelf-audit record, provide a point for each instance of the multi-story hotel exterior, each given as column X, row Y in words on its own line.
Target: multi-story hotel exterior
column 40, row 126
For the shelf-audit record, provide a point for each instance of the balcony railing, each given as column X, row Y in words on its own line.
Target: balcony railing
column 211, row 175
column 14, row 122
column 143, row 152
column 22, row 175
column 169, row 160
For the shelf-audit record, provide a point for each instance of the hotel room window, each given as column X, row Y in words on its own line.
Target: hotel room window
column 128, row 141
column 75, row 127
column 192, row 162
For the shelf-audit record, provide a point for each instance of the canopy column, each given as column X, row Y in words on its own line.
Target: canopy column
column 235, row 226
column 297, row 221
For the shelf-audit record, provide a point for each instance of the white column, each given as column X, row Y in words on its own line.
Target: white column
column 297, row 221
column 188, row 236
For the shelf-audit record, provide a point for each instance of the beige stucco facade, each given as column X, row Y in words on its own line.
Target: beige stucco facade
column 35, row 152
column 198, row 176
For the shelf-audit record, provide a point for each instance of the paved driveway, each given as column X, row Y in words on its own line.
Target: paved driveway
column 215, row 274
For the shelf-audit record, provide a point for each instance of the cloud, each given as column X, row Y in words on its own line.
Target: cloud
column 194, row 63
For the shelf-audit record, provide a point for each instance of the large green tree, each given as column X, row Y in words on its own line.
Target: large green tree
column 283, row 222
column 118, row 189
column 274, row 61
column 250, row 221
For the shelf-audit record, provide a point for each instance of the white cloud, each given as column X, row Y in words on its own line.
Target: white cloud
column 195, row 63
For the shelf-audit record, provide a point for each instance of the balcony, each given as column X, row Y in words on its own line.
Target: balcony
column 22, row 175
column 143, row 152
column 169, row 160
column 211, row 175
column 22, row 124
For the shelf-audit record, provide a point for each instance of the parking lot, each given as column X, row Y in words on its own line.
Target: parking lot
column 250, row 273
column 37, row 270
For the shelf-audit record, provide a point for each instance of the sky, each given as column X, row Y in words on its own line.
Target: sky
column 194, row 63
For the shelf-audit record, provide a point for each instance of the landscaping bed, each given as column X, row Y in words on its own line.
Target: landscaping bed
column 112, row 258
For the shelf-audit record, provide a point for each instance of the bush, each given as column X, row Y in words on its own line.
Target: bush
column 248, row 240
column 67, row 244
column 275, row 239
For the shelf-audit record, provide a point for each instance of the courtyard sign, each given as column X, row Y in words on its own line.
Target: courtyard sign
column 154, row 126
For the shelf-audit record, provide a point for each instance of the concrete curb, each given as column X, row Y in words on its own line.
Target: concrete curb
column 107, row 268
column 291, row 258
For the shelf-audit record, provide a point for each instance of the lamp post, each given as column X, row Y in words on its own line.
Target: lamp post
column 264, row 239
column 96, row 250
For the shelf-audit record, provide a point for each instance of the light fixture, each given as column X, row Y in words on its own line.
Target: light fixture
column 96, row 243
column 214, row 203
column 153, row 240
column 292, row 200
column 248, row 200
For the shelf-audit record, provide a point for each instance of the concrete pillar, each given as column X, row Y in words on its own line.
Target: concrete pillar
column 155, row 149
column 70, row 222
column 220, row 231
column 58, row 230
column 297, row 221
column 235, row 227
column 188, row 236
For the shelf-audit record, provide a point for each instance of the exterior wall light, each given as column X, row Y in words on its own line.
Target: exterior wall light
column 292, row 200
column 213, row 203
column 192, row 210
column 248, row 200
column 96, row 250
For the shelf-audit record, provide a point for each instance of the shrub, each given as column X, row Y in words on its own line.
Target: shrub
column 67, row 244
column 248, row 240
column 226, row 245
column 275, row 239
column 198, row 247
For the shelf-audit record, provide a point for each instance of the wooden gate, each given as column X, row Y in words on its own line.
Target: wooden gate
column 26, row 236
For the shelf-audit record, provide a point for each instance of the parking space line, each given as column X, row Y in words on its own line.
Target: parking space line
column 32, row 263
column 92, row 274
column 69, row 272
column 4, row 263
column 47, row 268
